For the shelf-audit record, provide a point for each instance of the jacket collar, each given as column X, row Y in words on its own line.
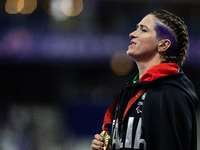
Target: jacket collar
column 160, row 70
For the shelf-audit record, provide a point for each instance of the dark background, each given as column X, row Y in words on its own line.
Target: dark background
column 56, row 79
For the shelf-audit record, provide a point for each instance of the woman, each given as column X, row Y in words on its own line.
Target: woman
column 156, row 106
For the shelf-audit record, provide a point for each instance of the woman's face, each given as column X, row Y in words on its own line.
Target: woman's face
column 144, row 45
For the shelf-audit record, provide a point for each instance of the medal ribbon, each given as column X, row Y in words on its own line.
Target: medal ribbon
column 111, row 109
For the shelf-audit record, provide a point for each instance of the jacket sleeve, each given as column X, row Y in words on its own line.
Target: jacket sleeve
column 168, row 120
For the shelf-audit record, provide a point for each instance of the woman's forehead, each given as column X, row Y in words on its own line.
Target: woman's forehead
column 148, row 21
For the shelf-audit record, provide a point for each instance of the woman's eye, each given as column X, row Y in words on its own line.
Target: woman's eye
column 144, row 30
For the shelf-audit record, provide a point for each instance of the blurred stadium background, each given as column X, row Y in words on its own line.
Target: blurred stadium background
column 63, row 62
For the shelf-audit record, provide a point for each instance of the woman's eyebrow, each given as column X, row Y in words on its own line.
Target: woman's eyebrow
column 141, row 25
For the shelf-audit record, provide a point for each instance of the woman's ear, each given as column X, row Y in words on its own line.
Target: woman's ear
column 163, row 45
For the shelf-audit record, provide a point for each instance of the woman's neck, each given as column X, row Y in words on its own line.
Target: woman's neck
column 144, row 66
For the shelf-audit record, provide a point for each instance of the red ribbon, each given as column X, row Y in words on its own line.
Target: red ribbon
column 111, row 109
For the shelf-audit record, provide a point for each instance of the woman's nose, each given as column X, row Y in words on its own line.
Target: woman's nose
column 133, row 34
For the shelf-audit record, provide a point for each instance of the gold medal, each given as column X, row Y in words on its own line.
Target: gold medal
column 106, row 139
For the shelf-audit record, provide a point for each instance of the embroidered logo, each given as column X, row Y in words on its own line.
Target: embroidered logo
column 139, row 109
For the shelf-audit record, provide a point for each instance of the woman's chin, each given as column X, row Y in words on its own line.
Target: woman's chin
column 129, row 52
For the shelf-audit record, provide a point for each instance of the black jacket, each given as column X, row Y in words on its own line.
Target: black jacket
column 163, row 118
